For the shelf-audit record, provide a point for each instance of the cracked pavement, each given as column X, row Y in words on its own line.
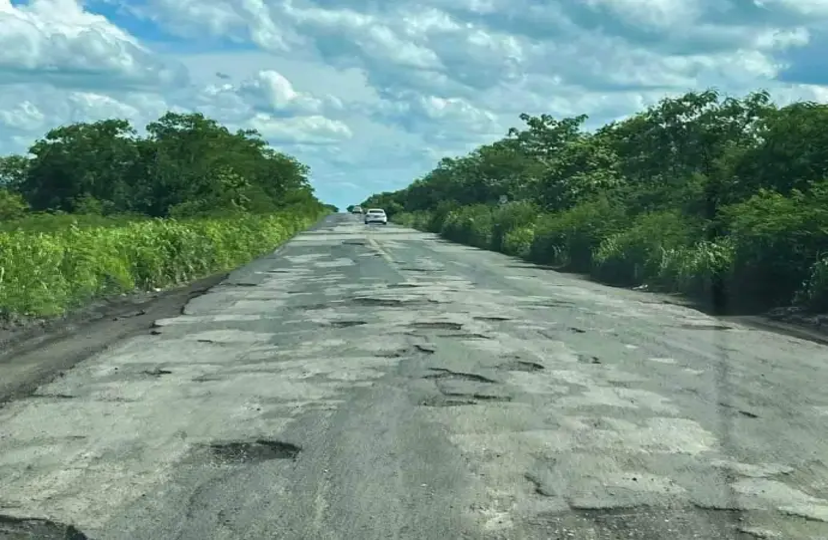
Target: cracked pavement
column 379, row 382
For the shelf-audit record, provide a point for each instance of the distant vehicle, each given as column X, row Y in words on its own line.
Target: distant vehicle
column 357, row 210
column 376, row 215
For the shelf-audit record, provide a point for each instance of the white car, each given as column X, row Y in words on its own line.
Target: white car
column 357, row 210
column 376, row 215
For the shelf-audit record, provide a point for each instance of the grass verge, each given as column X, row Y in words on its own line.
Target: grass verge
column 45, row 274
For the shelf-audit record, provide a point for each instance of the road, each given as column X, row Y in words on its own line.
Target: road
column 380, row 383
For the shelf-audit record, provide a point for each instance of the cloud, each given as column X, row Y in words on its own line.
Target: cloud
column 371, row 94
column 307, row 130
column 270, row 91
column 57, row 41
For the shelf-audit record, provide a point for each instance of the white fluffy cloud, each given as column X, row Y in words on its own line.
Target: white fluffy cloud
column 369, row 94
column 57, row 41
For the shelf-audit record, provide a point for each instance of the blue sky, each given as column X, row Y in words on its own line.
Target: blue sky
column 372, row 94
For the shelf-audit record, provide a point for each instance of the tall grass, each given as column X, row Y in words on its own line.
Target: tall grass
column 46, row 270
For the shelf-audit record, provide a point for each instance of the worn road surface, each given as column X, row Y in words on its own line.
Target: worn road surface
column 380, row 383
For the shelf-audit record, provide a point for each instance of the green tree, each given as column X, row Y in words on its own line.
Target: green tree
column 81, row 160
column 701, row 193
column 13, row 171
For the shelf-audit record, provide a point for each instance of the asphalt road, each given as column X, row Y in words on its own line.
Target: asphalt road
column 379, row 383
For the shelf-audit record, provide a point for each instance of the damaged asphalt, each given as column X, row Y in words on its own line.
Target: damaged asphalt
column 379, row 383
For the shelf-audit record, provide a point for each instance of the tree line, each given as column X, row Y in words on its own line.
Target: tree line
column 185, row 165
column 718, row 197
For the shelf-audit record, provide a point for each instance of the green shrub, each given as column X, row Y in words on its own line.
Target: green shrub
column 636, row 255
column 406, row 219
column 569, row 238
column 416, row 220
column 12, row 205
column 437, row 218
column 778, row 241
column 814, row 292
column 472, row 225
column 518, row 241
column 510, row 216
column 45, row 274
column 693, row 270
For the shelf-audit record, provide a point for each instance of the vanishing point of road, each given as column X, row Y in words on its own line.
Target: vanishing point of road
column 381, row 383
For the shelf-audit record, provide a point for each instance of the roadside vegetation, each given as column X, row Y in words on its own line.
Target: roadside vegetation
column 94, row 209
column 722, row 199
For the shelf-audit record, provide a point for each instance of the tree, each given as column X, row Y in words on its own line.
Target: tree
column 187, row 164
column 634, row 197
column 13, row 171
column 82, row 160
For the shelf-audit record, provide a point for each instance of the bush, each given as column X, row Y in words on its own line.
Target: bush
column 508, row 217
column 637, row 254
column 416, row 220
column 569, row 238
column 778, row 241
column 472, row 225
column 814, row 292
column 694, row 270
column 12, row 205
column 437, row 218
column 518, row 241
column 43, row 274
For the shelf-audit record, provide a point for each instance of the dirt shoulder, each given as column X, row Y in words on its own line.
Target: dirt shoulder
column 790, row 321
column 33, row 352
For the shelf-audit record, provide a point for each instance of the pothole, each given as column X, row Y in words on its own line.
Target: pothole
column 14, row 528
column 586, row 359
column 493, row 318
column 404, row 285
column 478, row 396
column 641, row 522
column 207, row 378
column 315, row 307
column 346, row 324
column 55, row 396
column 443, row 401
column 413, row 269
column 605, row 519
column 537, row 486
column 467, row 335
column 157, row 372
column 551, row 303
column 521, row 365
column 378, row 302
column 443, row 373
column 705, row 327
column 736, row 409
column 438, row 325
column 399, row 353
column 254, row 452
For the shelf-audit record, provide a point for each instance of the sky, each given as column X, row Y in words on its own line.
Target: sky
column 372, row 93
